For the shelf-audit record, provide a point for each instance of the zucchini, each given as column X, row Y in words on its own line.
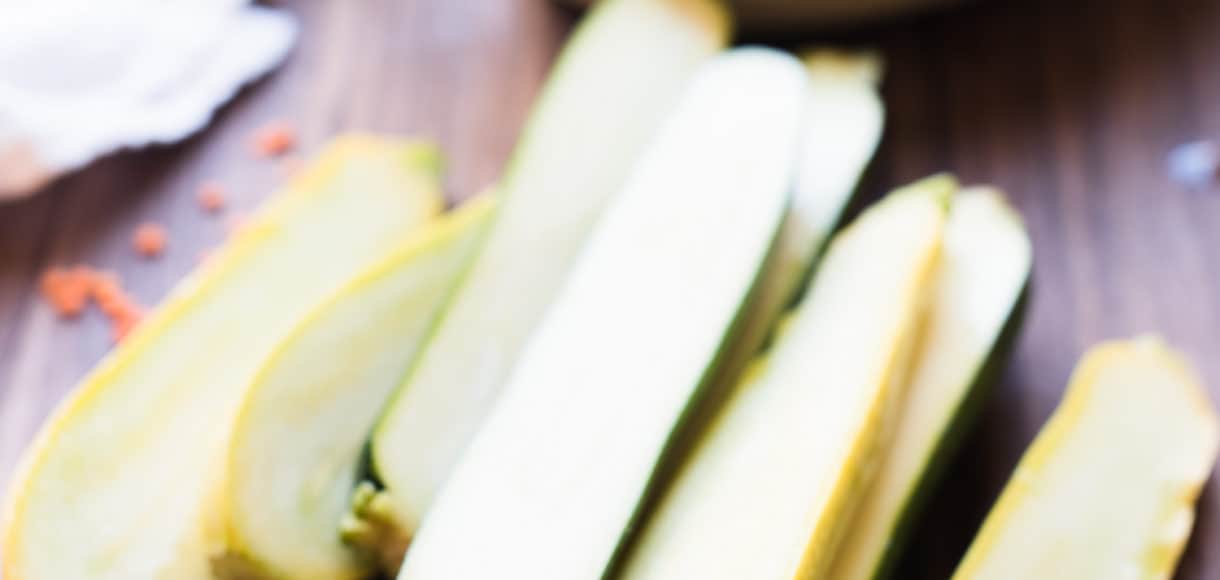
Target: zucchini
column 974, row 318
column 297, row 439
column 555, row 476
column 842, row 127
column 1107, row 490
column 843, row 120
column 618, row 77
column 768, row 488
column 115, row 485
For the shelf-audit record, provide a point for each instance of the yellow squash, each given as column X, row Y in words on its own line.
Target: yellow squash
column 1108, row 488
column 115, row 486
column 296, row 443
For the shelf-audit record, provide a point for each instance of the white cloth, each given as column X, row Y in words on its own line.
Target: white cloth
column 81, row 78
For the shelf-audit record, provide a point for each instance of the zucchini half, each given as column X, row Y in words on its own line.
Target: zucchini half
column 843, row 122
column 1108, row 488
column 296, row 443
column 972, row 324
column 556, row 475
column 842, row 128
column 115, row 487
column 616, row 80
column 770, row 485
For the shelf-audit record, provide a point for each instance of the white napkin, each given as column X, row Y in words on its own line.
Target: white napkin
column 81, row 78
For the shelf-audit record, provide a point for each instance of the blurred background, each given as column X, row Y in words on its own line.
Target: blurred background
column 1071, row 106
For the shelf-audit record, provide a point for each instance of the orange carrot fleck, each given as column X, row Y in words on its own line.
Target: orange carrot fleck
column 211, row 197
column 274, row 139
column 107, row 292
column 66, row 290
column 118, row 306
column 150, row 240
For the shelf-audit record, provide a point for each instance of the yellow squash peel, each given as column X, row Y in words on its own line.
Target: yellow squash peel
column 1108, row 488
column 115, row 485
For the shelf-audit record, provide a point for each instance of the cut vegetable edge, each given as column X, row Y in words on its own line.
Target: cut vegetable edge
column 206, row 281
column 980, row 299
column 693, row 532
column 729, row 218
column 666, row 43
column 445, row 248
column 843, row 84
column 843, row 122
column 858, row 467
column 1120, row 363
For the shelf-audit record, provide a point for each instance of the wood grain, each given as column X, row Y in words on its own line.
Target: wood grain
column 1070, row 106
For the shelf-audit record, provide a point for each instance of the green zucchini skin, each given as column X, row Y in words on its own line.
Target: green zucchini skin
column 965, row 418
column 714, row 387
column 539, row 186
column 752, row 333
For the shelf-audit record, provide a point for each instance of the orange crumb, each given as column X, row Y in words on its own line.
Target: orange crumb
column 66, row 290
column 211, row 197
column 118, row 306
column 107, row 291
column 274, row 139
column 150, row 240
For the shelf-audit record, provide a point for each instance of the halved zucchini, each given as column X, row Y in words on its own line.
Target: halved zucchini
column 843, row 125
column 769, row 487
column 1107, row 490
column 555, row 476
column 843, row 120
column 115, row 486
column 296, row 443
column 614, row 83
column 974, row 317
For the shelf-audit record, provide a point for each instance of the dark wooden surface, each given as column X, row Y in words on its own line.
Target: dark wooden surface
column 1069, row 105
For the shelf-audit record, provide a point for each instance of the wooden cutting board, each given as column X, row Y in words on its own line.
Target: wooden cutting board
column 1071, row 106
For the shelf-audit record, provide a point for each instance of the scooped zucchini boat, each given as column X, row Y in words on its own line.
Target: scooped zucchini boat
column 557, row 472
column 972, row 322
column 115, row 486
column 770, row 485
column 616, row 80
column 292, row 457
column 1108, row 488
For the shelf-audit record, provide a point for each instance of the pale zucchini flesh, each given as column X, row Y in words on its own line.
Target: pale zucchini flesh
column 1107, row 490
column 842, row 128
column 843, row 124
column 555, row 476
column 985, row 265
column 296, row 443
column 114, row 485
column 770, row 483
column 613, row 84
